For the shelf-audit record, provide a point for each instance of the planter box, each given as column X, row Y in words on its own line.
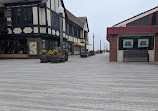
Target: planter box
column 55, row 58
column 44, row 58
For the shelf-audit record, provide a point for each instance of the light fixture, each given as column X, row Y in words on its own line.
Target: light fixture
column 86, row 29
column 61, row 10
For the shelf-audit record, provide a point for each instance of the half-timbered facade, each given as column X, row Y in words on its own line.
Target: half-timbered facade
column 137, row 34
column 28, row 26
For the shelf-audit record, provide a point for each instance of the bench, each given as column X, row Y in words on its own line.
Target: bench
column 136, row 53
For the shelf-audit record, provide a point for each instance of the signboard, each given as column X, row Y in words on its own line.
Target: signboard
column 33, row 48
column 128, row 43
column 143, row 43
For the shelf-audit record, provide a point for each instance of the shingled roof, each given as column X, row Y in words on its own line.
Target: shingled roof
column 77, row 20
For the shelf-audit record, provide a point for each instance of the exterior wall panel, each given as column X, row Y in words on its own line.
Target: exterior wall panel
column 113, row 48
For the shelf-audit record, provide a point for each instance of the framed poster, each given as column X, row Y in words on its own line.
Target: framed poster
column 33, row 48
column 127, row 43
column 143, row 43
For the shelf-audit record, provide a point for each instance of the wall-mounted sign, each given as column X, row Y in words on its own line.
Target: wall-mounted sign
column 143, row 43
column 33, row 48
column 128, row 43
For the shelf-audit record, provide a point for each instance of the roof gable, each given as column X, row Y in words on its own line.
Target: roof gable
column 124, row 23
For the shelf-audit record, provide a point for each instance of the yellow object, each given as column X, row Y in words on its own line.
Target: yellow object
column 89, row 44
column 79, row 44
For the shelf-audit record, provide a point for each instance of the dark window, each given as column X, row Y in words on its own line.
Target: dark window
column 75, row 31
column 70, row 30
column 154, row 18
column 85, row 34
column 13, row 46
column 55, row 21
column 144, row 21
column 22, row 16
column 79, row 33
column 132, row 23
column 67, row 28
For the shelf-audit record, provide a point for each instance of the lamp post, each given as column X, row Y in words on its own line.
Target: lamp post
column 61, row 11
column 104, row 48
column 93, row 42
column 100, row 46
column 86, row 30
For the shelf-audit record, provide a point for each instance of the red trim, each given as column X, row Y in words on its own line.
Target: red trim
column 136, row 16
column 132, row 30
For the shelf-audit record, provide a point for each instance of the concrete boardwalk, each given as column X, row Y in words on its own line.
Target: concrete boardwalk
column 82, row 84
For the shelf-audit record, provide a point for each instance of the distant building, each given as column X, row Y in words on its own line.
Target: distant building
column 28, row 26
column 139, row 33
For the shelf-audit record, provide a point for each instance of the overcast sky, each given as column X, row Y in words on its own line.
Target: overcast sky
column 106, row 13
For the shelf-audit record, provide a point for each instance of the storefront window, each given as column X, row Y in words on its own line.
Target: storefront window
column 13, row 46
column 51, row 44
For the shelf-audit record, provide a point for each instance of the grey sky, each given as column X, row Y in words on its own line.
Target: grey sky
column 105, row 13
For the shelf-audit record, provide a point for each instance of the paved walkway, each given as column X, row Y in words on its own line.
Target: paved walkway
column 90, row 84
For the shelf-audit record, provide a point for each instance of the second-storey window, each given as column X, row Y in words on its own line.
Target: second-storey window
column 22, row 16
column 79, row 33
column 70, row 30
column 55, row 21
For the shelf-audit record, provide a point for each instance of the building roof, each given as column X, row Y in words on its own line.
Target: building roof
column 82, row 19
column 74, row 19
column 2, row 2
column 77, row 20
column 121, row 24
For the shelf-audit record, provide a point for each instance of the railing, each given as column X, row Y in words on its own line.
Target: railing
column 3, row 25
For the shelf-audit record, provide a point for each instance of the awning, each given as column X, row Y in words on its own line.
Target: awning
column 88, row 44
column 79, row 44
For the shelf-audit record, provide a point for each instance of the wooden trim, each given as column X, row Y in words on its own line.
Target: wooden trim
column 24, row 56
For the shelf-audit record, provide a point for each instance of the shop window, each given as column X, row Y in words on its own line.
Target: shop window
column 13, row 46
column 51, row 44
column 22, row 16
column 132, row 23
column 144, row 21
column 154, row 18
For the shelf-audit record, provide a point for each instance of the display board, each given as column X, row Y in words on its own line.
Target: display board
column 33, row 48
